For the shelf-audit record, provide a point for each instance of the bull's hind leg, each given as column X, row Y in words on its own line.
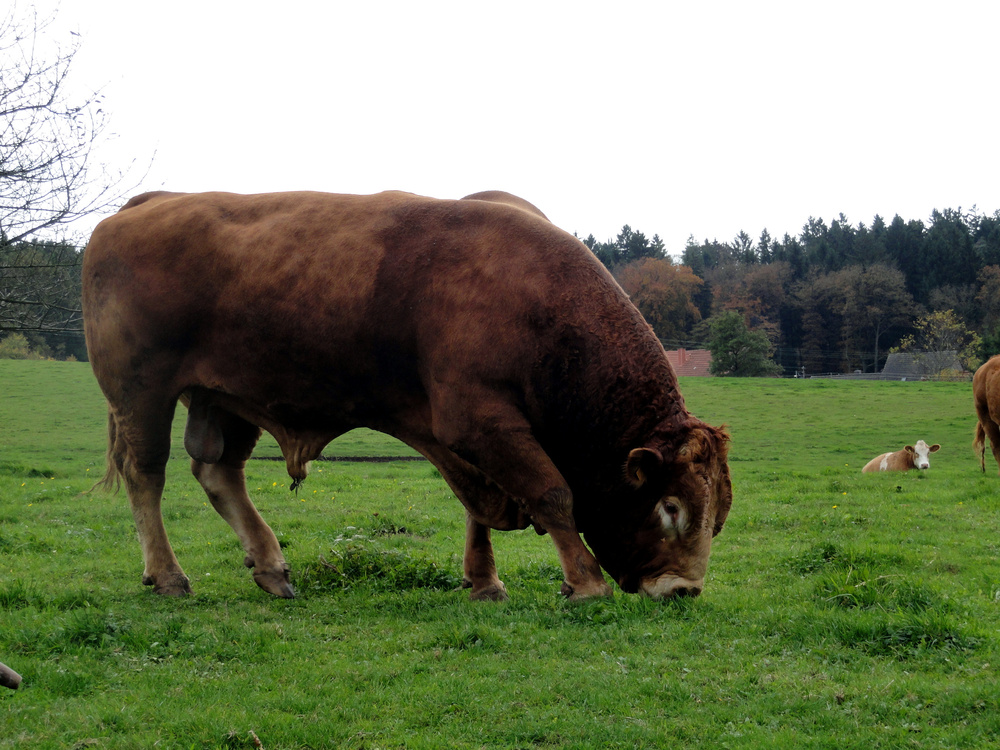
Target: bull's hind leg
column 139, row 447
column 229, row 441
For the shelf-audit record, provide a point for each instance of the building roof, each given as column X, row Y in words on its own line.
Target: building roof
column 921, row 364
column 690, row 361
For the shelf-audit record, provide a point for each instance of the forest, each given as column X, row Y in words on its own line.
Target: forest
column 40, row 313
column 835, row 299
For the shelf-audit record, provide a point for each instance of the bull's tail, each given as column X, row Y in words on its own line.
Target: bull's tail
column 979, row 445
column 115, row 457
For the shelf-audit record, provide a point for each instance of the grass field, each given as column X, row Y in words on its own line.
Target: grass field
column 841, row 610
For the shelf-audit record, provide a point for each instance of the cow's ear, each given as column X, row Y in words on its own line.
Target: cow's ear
column 642, row 463
column 908, row 448
column 934, row 448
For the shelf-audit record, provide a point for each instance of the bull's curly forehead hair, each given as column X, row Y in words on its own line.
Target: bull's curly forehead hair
column 693, row 440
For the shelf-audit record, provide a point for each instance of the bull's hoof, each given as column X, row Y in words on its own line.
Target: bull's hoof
column 494, row 593
column 172, row 584
column 275, row 582
column 589, row 591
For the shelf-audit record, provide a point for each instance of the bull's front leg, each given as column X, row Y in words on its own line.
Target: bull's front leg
column 508, row 454
column 479, row 566
column 582, row 575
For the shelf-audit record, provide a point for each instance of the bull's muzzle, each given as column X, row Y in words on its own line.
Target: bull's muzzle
column 667, row 586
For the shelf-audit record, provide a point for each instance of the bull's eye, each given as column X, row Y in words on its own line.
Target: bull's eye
column 671, row 520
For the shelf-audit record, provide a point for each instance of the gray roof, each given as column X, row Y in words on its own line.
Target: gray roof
column 921, row 364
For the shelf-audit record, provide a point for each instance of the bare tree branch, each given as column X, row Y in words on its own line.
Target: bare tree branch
column 49, row 176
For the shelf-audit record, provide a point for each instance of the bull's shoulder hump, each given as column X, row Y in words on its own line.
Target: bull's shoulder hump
column 501, row 196
column 150, row 198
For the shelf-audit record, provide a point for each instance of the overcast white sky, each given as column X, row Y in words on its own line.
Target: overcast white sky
column 677, row 118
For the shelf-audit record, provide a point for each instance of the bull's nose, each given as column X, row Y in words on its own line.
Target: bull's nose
column 686, row 591
column 668, row 586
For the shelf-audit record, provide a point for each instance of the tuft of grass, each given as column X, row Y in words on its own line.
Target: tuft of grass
column 906, row 637
column 464, row 637
column 80, row 599
column 89, row 628
column 235, row 740
column 19, row 594
column 828, row 555
column 384, row 526
column 354, row 565
column 864, row 588
column 23, row 470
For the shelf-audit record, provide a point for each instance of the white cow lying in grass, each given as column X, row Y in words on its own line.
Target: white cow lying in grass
column 911, row 457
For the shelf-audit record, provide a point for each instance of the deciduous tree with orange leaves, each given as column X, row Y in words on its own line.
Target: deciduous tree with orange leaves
column 664, row 294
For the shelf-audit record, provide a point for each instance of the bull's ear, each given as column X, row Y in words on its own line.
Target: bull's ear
column 642, row 464
column 696, row 447
column 934, row 448
column 725, row 501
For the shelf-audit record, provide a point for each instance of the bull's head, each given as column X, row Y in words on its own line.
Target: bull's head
column 681, row 495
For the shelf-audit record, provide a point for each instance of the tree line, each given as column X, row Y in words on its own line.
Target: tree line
column 40, row 312
column 836, row 298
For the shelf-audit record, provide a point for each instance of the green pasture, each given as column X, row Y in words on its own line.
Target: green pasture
column 841, row 610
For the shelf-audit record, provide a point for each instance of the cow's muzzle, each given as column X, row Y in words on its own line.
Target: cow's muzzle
column 667, row 586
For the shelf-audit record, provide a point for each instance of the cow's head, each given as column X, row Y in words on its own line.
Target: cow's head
column 680, row 497
column 920, row 453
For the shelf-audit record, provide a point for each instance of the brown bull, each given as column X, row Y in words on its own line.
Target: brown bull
column 986, row 396
column 489, row 340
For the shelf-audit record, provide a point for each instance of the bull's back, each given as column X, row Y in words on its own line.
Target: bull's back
column 216, row 281
column 356, row 293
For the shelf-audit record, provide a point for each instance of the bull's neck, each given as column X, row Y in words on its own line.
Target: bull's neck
column 617, row 400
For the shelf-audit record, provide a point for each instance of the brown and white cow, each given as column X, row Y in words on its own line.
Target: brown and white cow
column 483, row 336
column 986, row 396
column 910, row 457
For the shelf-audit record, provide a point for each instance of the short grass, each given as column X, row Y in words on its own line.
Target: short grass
column 841, row 611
